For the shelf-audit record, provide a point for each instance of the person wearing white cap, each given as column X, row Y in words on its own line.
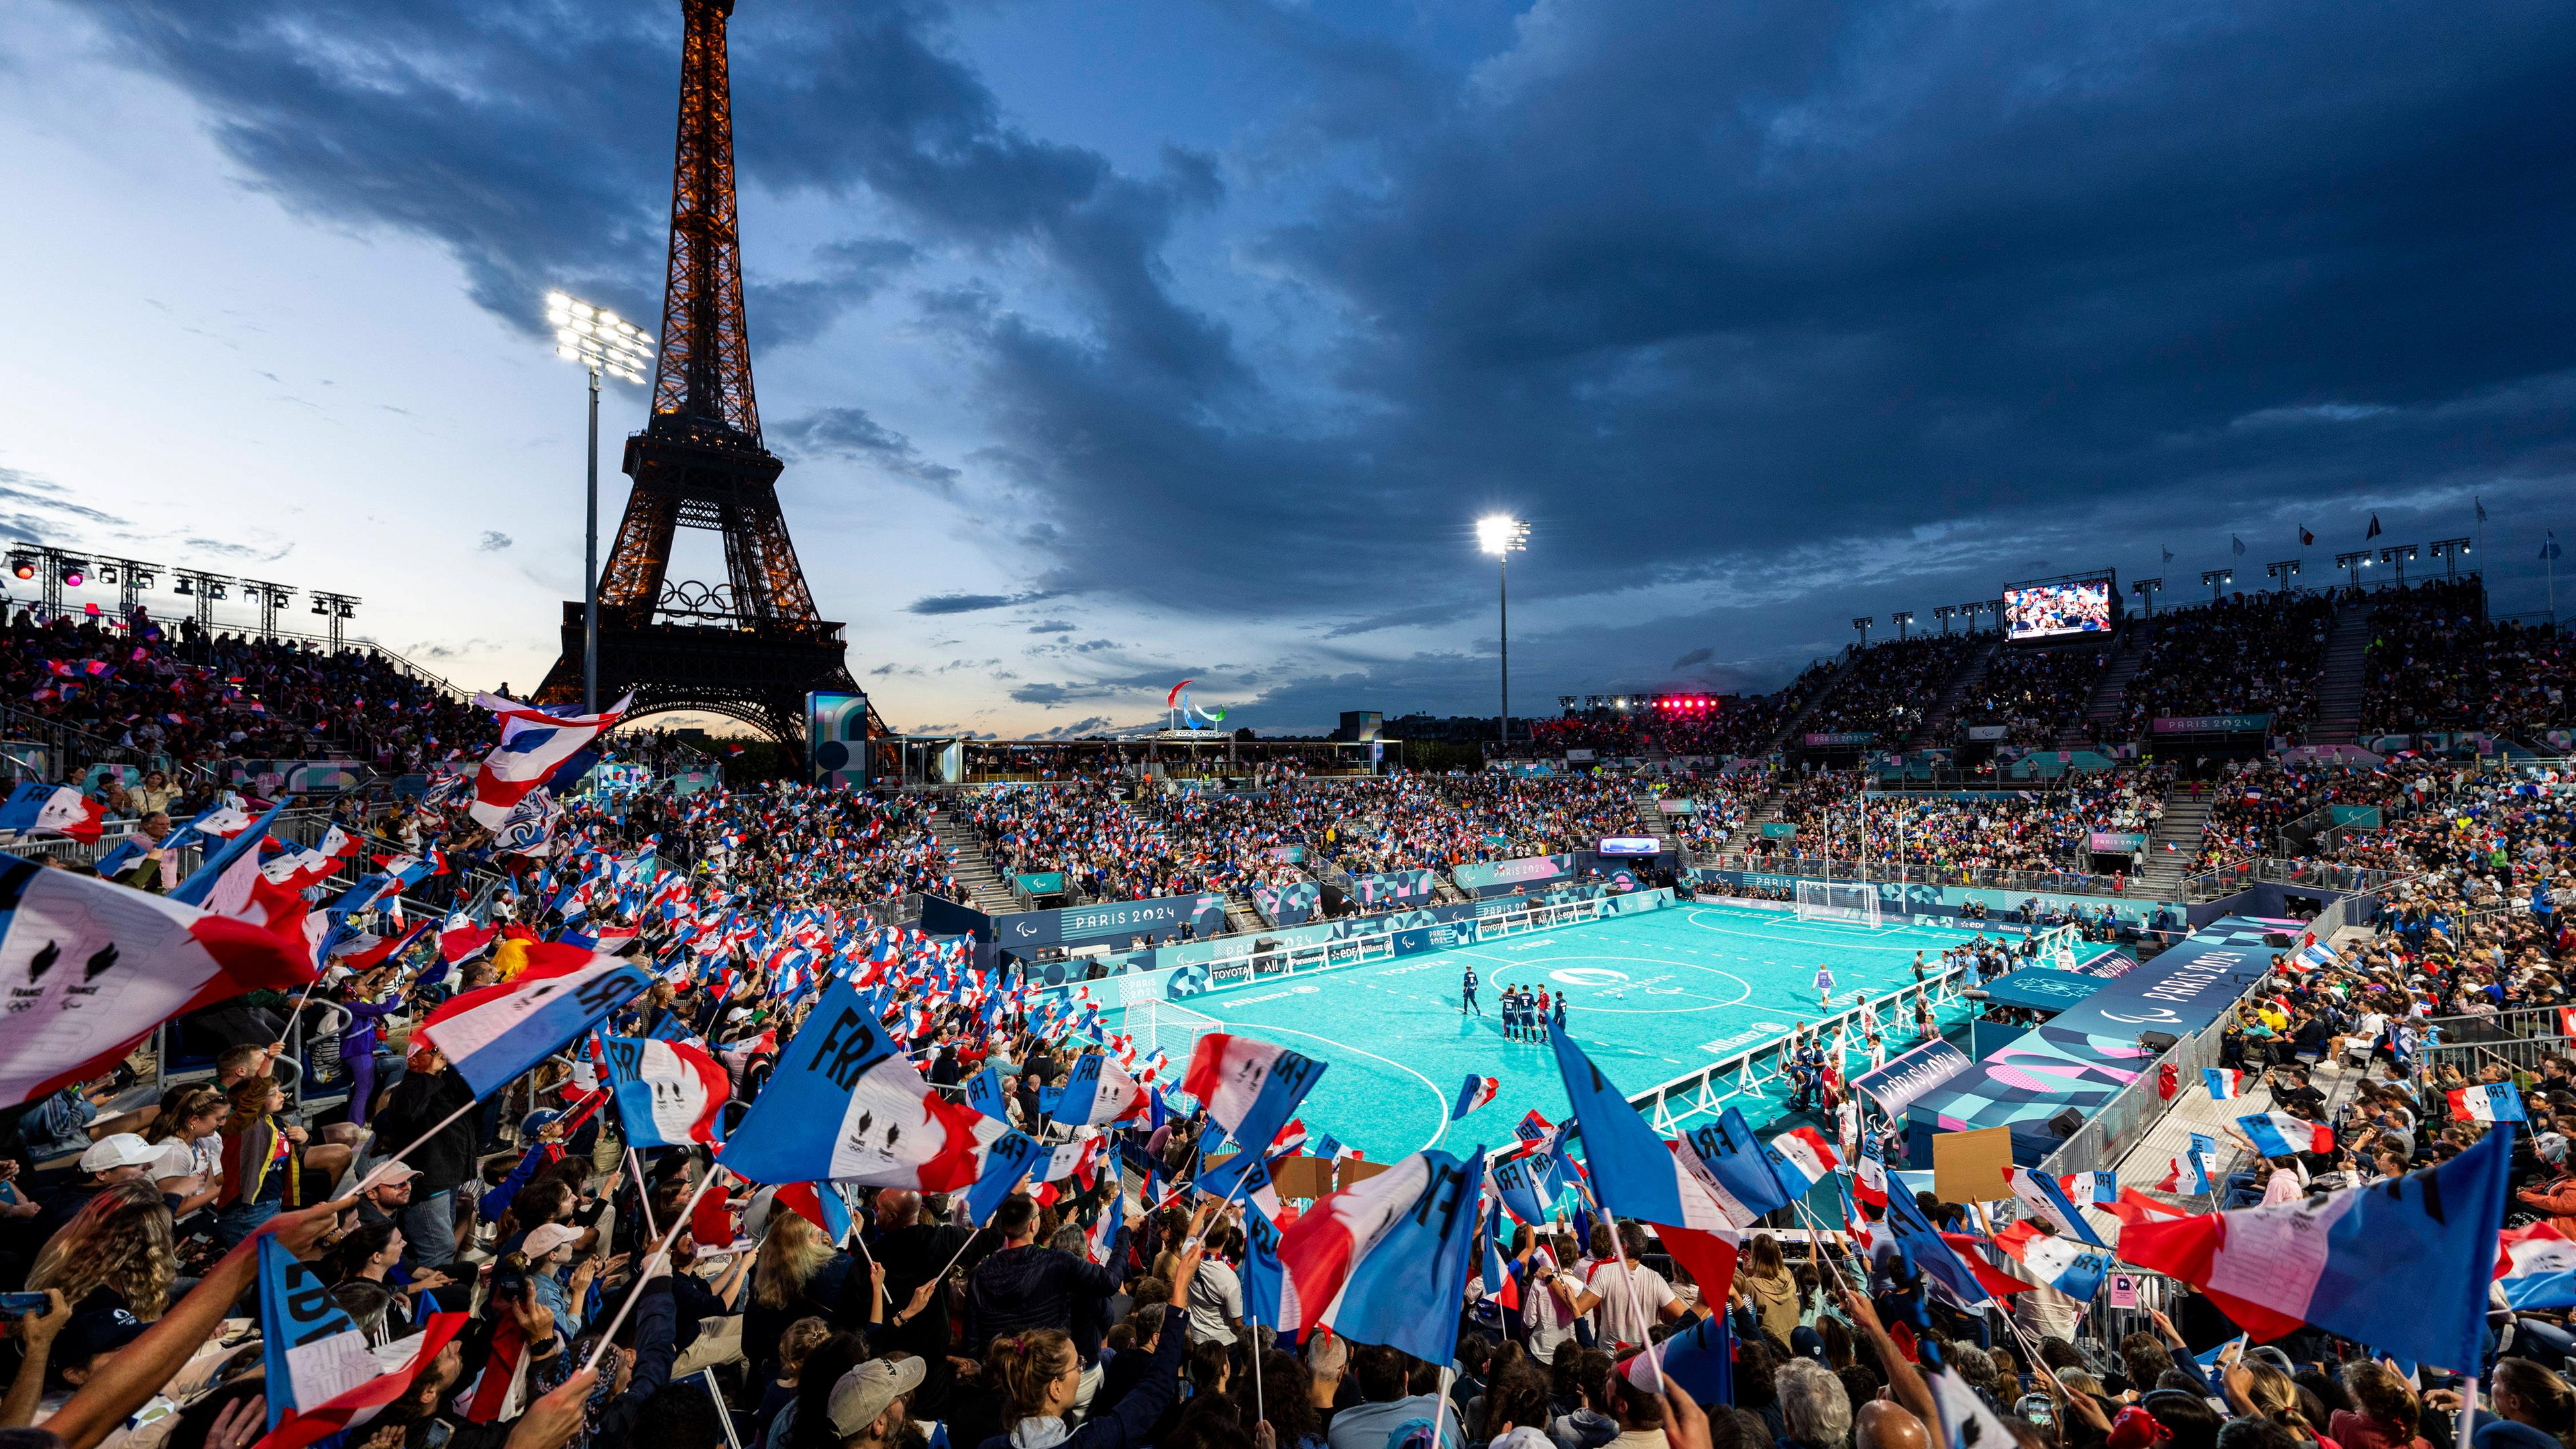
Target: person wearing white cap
column 868, row 1403
column 542, row 1256
column 117, row 1157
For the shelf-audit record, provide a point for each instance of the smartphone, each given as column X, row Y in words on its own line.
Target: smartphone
column 2038, row 1409
column 16, row 1303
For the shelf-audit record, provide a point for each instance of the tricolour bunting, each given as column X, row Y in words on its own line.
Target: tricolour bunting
column 888, row 1129
column 2402, row 1266
column 1387, row 1261
column 668, row 1094
column 88, row 968
column 493, row 1034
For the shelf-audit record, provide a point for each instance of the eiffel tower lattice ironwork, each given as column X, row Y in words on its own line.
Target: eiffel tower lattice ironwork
column 751, row 646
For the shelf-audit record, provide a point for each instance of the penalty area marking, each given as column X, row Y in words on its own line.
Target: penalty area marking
column 1439, row 1102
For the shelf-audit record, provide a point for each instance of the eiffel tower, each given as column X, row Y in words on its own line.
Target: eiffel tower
column 749, row 647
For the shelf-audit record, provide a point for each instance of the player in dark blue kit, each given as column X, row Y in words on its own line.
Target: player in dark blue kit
column 1467, row 993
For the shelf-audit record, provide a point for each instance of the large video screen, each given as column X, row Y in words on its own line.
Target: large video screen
column 2046, row 611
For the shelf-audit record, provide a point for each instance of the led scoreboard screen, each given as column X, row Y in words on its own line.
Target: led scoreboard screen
column 2052, row 610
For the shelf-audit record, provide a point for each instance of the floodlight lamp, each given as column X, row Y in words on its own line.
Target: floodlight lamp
column 72, row 574
column 347, row 612
column 1500, row 533
column 184, row 587
column 319, row 608
column 107, row 574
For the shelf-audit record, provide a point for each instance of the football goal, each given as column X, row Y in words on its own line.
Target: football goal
column 1174, row 1030
column 1851, row 903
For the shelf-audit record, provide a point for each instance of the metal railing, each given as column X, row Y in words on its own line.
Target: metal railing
column 1707, row 1090
column 1879, row 869
column 2126, row 1119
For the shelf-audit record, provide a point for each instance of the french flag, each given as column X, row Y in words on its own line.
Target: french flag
column 40, row 809
column 2189, row 1172
column 2225, row 1084
column 2402, row 1266
column 1637, row 1174
column 1533, row 1127
column 1100, row 1240
column 2491, row 1102
column 90, row 967
column 2041, row 1195
column 818, row 1203
column 323, row 1379
column 493, row 1034
column 2278, row 1134
column 669, row 1094
column 889, row 1129
column 1870, row 1180
column 2537, row 1266
column 1476, row 1092
column 2101, row 1188
column 535, row 743
column 1386, row 1261
column 1097, row 1093
column 2068, row 1267
column 1250, row 1088
column 1805, row 1150
column 2135, row 1207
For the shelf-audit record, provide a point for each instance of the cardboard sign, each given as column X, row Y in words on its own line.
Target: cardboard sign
column 1971, row 1166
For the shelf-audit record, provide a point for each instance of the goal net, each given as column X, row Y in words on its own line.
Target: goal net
column 1170, row 1028
column 1825, row 900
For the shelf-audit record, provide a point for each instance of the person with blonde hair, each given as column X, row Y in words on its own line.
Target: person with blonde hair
column 797, row 1273
column 117, row 1253
column 187, row 1130
column 1038, row 1375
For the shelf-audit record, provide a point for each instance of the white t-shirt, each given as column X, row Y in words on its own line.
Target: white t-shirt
column 1628, row 1308
column 1216, row 1295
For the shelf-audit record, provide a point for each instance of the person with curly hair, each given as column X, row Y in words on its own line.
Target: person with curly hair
column 117, row 1253
column 260, row 1166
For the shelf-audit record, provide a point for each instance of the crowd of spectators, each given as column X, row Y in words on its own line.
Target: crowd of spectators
column 2436, row 662
column 1892, row 689
column 2247, row 654
column 2035, row 694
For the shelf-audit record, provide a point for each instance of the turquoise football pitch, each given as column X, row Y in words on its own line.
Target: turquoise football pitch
column 1650, row 997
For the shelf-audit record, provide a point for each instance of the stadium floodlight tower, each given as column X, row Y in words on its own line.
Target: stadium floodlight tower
column 2353, row 564
column 2217, row 579
column 2284, row 569
column 2401, row 555
column 1970, row 610
column 2146, row 590
column 600, row 341
column 1862, row 623
column 1502, row 535
column 2448, row 550
column 1945, row 613
column 1903, row 619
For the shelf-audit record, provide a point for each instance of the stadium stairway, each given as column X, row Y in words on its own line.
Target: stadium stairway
column 1766, row 811
column 2346, row 672
column 2175, row 846
column 1833, row 681
column 1650, row 820
column 974, row 868
column 1241, row 914
column 2112, row 689
column 1936, row 721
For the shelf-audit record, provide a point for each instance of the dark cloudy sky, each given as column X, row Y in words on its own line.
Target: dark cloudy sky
column 1111, row 342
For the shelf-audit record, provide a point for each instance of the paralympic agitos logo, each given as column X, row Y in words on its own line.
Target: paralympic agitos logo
column 1179, row 702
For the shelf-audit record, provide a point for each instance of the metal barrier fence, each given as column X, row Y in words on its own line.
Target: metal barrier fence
column 1708, row 1089
column 2107, row 1135
column 1878, row 869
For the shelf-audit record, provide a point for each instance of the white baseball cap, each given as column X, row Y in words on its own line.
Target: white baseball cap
column 118, row 1149
column 544, row 1238
column 861, row 1397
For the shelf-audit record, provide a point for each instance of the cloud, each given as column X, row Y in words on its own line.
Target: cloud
column 1052, row 626
column 493, row 541
column 960, row 603
column 849, row 432
column 41, row 509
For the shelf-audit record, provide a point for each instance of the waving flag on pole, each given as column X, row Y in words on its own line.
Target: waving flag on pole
column 888, row 1128
column 1098, row 1093
column 1100, row 1240
column 495, row 1033
column 1870, row 1177
column 1387, row 1260
column 241, row 845
column 2225, row 1083
column 2190, row 1172
column 1637, row 1174
column 1475, row 1093
column 818, row 1203
column 668, row 1094
column 40, row 809
column 2537, row 1266
column 1008, row 1163
column 1806, row 1150
column 1517, row 1185
column 1729, row 1162
column 2492, row 1102
column 2402, row 1266
column 88, row 968
column 2068, row 1267
column 2135, row 1207
column 2278, row 1134
column 1249, row 1087
column 534, row 744
column 2041, row 1196
column 1932, row 1251
column 323, row 1379
column 985, row 1094
column 2100, row 1188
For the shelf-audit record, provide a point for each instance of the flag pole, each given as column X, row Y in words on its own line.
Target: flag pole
column 635, row 1289
column 391, row 1159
